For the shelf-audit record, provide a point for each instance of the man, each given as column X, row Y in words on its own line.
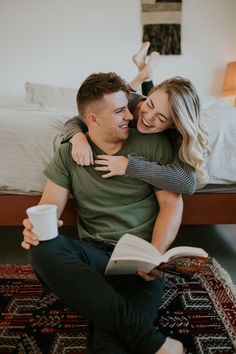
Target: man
column 122, row 309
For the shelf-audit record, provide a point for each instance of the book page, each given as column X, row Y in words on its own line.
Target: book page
column 128, row 266
column 183, row 251
column 130, row 246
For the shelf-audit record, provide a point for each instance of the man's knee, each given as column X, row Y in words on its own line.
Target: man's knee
column 46, row 253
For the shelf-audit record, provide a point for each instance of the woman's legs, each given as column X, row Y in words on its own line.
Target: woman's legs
column 140, row 56
column 71, row 269
column 146, row 68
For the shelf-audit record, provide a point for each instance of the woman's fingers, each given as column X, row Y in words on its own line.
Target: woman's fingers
column 84, row 158
column 103, row 157
column 101, row 162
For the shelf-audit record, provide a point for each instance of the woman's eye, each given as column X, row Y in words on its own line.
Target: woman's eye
column 161, row 119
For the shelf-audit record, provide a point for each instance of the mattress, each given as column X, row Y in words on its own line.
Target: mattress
column 30, row 135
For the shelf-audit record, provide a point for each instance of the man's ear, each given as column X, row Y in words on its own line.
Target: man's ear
column 91, row 119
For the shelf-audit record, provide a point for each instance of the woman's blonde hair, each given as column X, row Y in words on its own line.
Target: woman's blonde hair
column 185, row 111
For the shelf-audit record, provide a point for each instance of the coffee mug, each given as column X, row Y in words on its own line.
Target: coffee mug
column 43, row 218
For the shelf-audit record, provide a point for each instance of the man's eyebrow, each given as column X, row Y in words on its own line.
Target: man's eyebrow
column 160, row 114
column 119, row 108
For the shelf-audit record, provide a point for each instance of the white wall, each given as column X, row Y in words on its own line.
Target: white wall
column 60, row 42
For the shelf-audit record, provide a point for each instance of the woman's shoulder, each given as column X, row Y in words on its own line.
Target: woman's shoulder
column 134, row 99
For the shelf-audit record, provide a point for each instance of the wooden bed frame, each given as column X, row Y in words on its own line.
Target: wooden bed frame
column 202, row 208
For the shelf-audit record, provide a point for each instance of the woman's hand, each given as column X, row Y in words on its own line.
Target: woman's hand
column 116, row 165
column 81, row 151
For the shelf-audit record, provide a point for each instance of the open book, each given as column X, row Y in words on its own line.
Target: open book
column 132, row 254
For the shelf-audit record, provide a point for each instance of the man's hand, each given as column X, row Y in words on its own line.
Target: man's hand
column 31, row 239
column 150, row 276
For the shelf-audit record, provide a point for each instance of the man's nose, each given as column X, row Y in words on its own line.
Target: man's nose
column 128, row 115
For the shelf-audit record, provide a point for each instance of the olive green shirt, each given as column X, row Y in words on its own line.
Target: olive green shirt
column 108, row 208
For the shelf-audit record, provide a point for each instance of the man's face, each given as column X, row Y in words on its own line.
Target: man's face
column 113, row 118
column 154, row 114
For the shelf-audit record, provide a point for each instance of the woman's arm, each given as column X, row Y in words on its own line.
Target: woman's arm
column 146, row 87
column 74, row 132
column 73, row 126
column 176, row 176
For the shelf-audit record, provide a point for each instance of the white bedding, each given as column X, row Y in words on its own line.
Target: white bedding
column 219, row 118
column 30, row 134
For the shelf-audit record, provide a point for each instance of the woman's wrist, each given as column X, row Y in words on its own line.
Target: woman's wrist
column 79, row 136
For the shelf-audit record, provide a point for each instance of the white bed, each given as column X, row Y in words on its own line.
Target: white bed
column 30, row 133
column 29, row 136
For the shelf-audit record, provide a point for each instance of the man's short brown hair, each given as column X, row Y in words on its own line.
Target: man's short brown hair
column 96, row 86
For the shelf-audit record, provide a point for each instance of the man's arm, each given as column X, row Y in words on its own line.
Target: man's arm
column 168, row 219
column 55, row 194
column 167, row 224
column 52, row 194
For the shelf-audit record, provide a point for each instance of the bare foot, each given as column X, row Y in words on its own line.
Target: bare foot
column 140, row 56
column 171, row 346
column 149, row 69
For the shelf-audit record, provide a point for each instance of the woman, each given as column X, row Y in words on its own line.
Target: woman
column 172, row 106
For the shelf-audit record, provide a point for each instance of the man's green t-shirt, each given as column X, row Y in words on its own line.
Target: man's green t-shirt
column 108, row 208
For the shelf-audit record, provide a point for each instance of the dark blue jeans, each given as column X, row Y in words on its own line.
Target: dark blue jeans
column 121, row 309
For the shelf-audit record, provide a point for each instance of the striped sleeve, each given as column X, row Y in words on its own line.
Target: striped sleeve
column 134, row 99
column 73, row 126
column 176, row 177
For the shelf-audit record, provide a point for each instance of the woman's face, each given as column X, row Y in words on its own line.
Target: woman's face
column 154, row 114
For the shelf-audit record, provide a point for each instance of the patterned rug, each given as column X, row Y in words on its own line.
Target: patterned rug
column 200, row 312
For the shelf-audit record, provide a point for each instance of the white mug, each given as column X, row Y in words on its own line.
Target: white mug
column 43, row 217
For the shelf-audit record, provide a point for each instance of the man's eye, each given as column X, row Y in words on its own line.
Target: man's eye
column 149, row 104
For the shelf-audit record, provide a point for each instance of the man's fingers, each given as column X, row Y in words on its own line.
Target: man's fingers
column 59, row 223
column 31, row 240
column 145, row 276
column 27, row 224
column 25, row 245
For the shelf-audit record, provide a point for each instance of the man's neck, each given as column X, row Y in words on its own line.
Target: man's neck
column 108, row 147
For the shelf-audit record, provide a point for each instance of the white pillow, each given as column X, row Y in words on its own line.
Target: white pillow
column 51, row 96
